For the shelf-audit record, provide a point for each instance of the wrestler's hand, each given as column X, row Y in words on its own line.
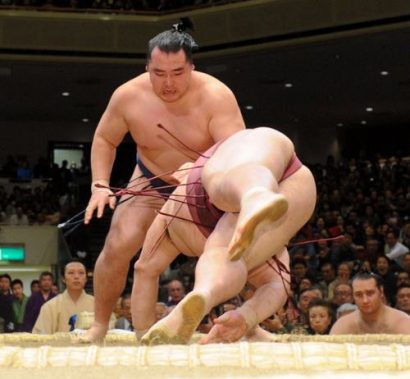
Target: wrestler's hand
column 229, row 327
column 99, row 198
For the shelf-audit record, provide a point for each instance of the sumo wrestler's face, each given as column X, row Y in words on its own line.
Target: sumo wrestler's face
column 170, row 74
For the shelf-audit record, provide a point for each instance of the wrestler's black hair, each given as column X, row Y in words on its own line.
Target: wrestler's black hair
column 366, row 275
column 172, row 41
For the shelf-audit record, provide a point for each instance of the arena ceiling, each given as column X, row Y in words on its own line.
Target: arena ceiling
column 346, row 80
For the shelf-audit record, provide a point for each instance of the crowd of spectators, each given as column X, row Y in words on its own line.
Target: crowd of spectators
column 113, row 5
column 361, row 224
column 44, row 202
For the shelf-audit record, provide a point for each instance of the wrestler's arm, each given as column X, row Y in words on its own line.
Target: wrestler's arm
column 271, row 293
column 226, row 118
column 109, row 133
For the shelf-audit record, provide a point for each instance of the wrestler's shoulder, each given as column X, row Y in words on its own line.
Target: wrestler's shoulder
column 133, row 87
column 209, row 83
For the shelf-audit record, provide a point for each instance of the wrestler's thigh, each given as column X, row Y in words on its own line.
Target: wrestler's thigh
column 223, row 232
column 158, row 250
column 133, row 216
column 300, row 191
column 270, row 272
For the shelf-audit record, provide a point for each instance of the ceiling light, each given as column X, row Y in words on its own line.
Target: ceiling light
column 363, row 122
column 249, row 107
column 65, row 94
column 369, row 109
column 340, row 124
column 288, row 85
column 384, row 73
column 85, row 120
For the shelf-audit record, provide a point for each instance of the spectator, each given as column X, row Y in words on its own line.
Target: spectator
column 343, row 276
column 402, row 278
column 389, row 279
column 328, row 275
column 403, row 298
column 56, row 314
column 176, row 292
column 19, row 304
column 5, row 285
column 406, row 263
column 372, row 315
column 343, row 294
column 320, row 317
column 161, row 310
column 394, row 249
column 34, row 286
column 345, row 309
column 37, row 299
column 6, row 314
column 125, row 321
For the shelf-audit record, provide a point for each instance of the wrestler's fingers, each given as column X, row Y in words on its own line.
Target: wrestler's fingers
column 88, row 214
column 112, row 201
column 100, row 209
column 211, row 337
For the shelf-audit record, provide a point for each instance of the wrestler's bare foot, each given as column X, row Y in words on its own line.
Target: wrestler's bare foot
column 95, row 334
column 258, row 207
column 179, row 325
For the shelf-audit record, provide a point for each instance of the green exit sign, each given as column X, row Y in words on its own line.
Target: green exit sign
column 12, row 253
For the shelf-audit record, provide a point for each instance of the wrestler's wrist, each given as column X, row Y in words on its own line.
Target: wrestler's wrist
column 100, row 185
column 249, row 315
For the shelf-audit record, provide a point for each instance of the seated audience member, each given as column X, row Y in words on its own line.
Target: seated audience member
column 6, row 314
column 403, row 298
column 328, row 275
column 278, row 323
column 19, row 304
column 37, row 299
column 394, row 249
column 125, row 322
column 161, row 310
column 372, row 315
column 118, row 309
column 389, row 279
column 342, row 276
column 34, row 286
column 55, row 314
column 176, row 292
column 345, row 309
column 299, row 271
column 406, row 263
column 343, row 294
column 5, row 285
column 402, row 278
column 320, row 317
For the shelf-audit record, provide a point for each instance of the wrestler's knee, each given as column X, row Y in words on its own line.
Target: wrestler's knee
column 123, row 240
column 147, row 267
